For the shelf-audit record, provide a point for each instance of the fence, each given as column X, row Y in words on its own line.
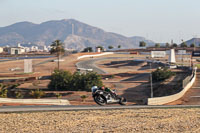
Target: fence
column 188, row 79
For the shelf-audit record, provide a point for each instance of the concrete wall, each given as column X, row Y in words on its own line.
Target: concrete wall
column 171, row 98
column 86, row 56
column 36, row 101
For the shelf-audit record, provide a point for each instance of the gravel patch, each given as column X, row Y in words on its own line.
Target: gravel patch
column 140, row 120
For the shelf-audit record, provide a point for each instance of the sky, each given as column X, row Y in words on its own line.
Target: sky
column 157, row 20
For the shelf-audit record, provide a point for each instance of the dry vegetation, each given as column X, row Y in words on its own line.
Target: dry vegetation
column 140, row 120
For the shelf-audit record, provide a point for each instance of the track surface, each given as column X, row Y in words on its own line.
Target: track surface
column 90, row 64
column 11, row 109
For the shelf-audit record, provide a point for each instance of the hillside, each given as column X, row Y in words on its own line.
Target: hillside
column 83, row 36
column 196, row 41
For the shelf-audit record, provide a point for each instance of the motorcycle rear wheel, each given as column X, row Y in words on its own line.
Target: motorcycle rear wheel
column 99, row 99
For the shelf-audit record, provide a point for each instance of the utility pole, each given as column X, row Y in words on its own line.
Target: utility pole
column 151, row 81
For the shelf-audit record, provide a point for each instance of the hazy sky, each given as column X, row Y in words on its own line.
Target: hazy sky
column 158, row 20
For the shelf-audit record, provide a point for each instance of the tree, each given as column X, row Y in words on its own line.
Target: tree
column 174, row 45
column 167, row 45
column 110, row 47
column 57, row 47
column 142, row 44
column 157, row 45
column 119, row 46
column 88, row 49
column 192, row 45
column 183, row 44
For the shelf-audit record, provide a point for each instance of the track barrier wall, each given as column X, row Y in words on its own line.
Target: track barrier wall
column 187, row 84
column 88, row 56
column 35, row 101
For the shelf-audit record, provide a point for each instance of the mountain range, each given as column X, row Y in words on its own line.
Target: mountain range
column 195, row 41
column 74, row 34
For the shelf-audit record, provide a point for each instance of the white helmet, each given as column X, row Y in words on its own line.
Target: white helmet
column 94, row 88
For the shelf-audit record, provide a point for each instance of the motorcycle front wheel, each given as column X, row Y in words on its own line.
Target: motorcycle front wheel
column 99, row 99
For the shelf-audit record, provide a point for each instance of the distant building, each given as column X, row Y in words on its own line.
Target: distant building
column 98, row 49
column 45, row 49
column 15, row 50
column 27, row 49
column 19, row 45
column 1, row 49
column 34, row 48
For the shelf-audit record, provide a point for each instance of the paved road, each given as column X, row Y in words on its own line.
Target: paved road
column 192, row 97
column 10, row 109
column 90, row 64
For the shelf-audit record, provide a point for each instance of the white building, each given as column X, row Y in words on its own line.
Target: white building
column 27, row 49
column 34, row 48
column 45, row 49
column 15, row 50
column 1, row 49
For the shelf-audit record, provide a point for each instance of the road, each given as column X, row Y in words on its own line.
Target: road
column 11, row 109
column 192, row 97
column 90, row 64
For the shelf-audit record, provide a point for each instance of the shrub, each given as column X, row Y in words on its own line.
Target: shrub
column 58, row 95
column 60, row 80
column 37, row 93
column 83, row 97
column 3, row 91
column 18, row 94
column 64, row 80
column 161, row 74
column 112, row 76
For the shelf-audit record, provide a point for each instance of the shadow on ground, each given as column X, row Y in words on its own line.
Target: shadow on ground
column 116, row 64
column 137, row 94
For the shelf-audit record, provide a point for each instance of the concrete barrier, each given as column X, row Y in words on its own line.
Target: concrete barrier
column 36, row 101
column 94, row 55
column 171, row 98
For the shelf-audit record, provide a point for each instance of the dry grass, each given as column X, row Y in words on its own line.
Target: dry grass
column 140, row 120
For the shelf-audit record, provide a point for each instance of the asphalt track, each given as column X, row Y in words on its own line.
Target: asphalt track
column 42, row 108
column 90, row 64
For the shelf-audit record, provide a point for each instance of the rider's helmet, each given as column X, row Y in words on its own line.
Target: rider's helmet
column 94, row 88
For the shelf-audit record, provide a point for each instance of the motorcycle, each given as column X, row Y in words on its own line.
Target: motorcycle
column 102, row 97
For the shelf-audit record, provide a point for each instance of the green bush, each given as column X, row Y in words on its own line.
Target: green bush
column 37, row 93
column 3, row 91
column 18, row 94
column 58, row 95
column 83, row 97
column 64, row 80
column 112, row 76
column 60, row 80
column 161, row 74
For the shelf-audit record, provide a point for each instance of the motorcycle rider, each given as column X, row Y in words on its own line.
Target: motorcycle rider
column 109, row 91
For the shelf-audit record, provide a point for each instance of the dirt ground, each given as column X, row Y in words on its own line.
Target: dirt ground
column 100, row 121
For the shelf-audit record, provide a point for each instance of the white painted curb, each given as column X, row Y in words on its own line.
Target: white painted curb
column 35, row 101
column 94, row 55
